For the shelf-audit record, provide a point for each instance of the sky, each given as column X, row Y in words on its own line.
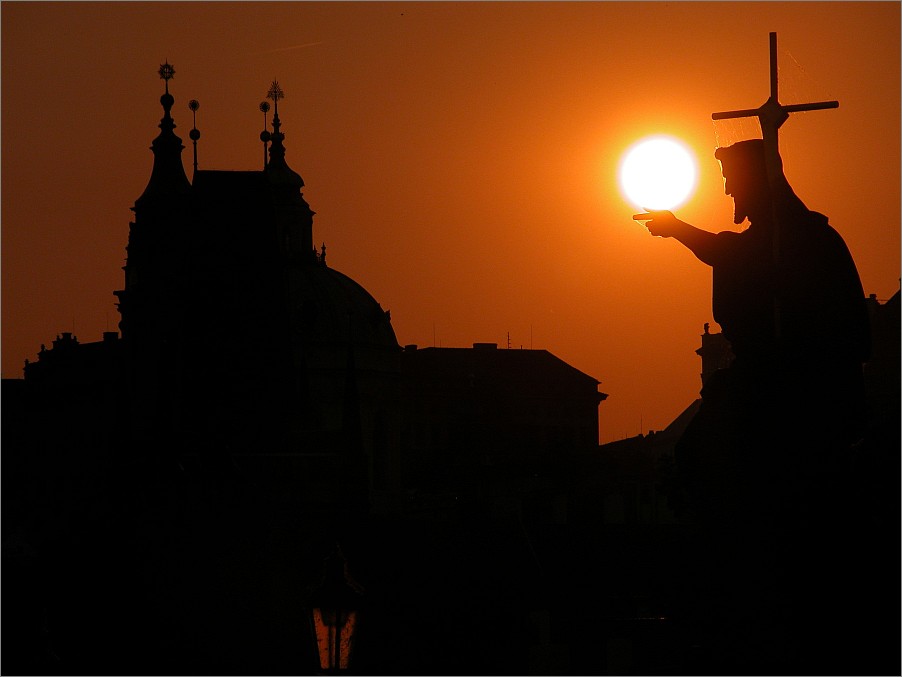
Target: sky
column 461, row 158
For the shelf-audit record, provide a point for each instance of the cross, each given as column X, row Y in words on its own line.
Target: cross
column 771, row 116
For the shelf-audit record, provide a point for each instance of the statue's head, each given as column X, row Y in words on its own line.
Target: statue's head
column 745, row 179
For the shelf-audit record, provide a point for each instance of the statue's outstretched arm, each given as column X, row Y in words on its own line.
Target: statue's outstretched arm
column 663, row 223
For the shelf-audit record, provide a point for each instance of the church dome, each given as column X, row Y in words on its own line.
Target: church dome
column 331, row 308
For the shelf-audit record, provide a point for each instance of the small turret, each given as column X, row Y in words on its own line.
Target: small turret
column 277, row 170
column 168, row 175
column 294, row 218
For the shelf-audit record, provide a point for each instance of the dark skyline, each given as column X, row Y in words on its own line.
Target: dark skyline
column 461, row 158
column 172, row 489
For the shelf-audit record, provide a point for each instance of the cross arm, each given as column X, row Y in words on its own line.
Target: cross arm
column 791, row 108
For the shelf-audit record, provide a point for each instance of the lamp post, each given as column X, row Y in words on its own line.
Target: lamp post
column 335, row 615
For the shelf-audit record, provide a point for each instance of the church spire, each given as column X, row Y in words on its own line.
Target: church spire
column 277, row 169
column 168, row 175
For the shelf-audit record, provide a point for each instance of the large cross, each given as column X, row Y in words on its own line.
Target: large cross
column 771, row 116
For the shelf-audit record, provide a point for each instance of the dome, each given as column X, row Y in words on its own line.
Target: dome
column 331, row 308
column 345, row 350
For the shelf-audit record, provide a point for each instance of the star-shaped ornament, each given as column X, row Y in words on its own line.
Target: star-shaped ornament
column 167, row 72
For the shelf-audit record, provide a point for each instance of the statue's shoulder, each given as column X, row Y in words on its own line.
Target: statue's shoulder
column 819, row 225
column 729, row 236
column 730, row 242
column 818, row 219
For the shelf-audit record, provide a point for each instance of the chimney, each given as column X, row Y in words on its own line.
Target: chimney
column 485, row 346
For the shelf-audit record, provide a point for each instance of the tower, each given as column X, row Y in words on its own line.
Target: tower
column 240, row 340
column 151, row 304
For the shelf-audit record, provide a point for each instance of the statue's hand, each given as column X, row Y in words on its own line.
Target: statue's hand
column 661, row 222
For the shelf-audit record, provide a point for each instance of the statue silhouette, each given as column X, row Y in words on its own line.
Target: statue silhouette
column 760, row 464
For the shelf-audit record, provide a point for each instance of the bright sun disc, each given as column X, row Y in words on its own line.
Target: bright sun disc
column 657, row 172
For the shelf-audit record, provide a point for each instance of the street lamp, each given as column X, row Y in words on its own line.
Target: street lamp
column 334, row 614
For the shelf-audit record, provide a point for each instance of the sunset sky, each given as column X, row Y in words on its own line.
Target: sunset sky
column 461, row 158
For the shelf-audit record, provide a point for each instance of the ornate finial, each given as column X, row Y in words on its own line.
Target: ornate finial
column 275, row 92
column 168, row 175
column 264, row 108
column 264, row 135
column 167, row 72
column 194, row 134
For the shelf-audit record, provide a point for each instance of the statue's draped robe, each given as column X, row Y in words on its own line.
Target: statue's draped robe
column 760, row 461
column 800, row 334
column 799, row 329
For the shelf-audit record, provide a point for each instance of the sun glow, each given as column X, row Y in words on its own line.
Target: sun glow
column 658, row 172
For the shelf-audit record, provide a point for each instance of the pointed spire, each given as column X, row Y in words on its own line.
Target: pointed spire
column 168, row 175
column 277, row 169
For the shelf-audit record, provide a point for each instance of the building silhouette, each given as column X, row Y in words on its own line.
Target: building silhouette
column 643, row 508
column 170, row 491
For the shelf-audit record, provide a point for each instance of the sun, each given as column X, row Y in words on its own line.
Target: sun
column 658, row 172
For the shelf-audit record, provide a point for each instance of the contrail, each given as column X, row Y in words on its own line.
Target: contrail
column 288, row 49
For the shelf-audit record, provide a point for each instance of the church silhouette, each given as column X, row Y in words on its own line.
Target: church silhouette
column 172, row 490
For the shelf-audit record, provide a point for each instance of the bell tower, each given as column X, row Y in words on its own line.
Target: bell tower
column 153, row 251
column 152, row 304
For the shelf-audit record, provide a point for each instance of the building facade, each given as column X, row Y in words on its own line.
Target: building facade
column 171, row 491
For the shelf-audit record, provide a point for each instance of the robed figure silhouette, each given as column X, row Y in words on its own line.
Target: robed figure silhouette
column 761, row 463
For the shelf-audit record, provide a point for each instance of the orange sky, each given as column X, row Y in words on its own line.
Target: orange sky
column 461, row 158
